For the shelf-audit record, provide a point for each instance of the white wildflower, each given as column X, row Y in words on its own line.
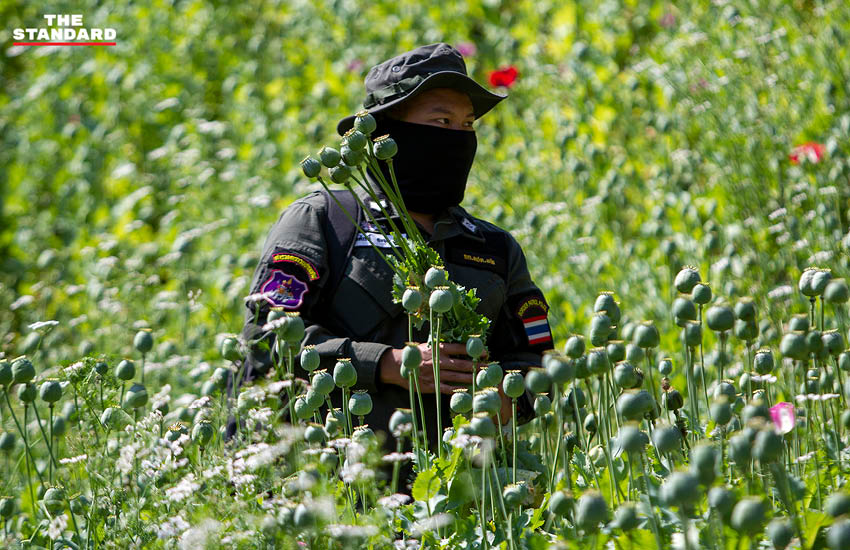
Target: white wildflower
column 398, row 457
column 23, row 301
column 275, row 324
column 428, row 525
column 200, row 402
column 171, row 527
column 183, row 489
column 260, row 416
column 393, row 501
column 73, row 459
column 197, row 538
column 778, row 213
column 351, row 531
column 38, row 325
column 780, row 292
column 73, row 368
column 57, row 526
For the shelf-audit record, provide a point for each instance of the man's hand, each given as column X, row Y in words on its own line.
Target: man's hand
column 454, row 372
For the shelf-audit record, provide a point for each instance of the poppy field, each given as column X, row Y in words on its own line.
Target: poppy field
column 677, row 176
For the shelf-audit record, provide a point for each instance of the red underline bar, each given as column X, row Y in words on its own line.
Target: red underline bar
column 63, row 43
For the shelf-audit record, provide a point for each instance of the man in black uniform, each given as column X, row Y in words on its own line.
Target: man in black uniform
column 427, row 103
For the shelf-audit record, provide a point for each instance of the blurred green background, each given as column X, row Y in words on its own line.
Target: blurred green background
column 138, row 181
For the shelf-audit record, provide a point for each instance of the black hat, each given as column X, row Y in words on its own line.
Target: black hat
column 411, row 73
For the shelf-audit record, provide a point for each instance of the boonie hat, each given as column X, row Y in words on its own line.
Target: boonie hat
column 409, row 74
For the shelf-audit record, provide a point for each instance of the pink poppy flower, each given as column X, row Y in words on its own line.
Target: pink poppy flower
column 466, row 49
column 783, row 417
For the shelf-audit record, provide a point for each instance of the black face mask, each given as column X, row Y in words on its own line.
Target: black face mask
column 431, row 165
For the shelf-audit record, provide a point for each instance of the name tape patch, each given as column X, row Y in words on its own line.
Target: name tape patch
column 288, row 257
column 375, row 239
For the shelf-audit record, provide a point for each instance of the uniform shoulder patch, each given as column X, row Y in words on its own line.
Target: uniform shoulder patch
column 282, row 257
column 533, row 311
column 284, row 290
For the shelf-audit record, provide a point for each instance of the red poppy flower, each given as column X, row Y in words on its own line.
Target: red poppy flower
column 504, row 77
column 811, row 151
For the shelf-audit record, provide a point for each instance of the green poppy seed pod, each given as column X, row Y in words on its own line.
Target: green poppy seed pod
column 560, row 503
column 143, row 341
column 632, row 405
column 624, row 375
column 720, row 318
column 820, row 280
column 6, row 375
column 364, row 122
column 513, row 495
column 616, row 350
column 692, row 334
column 385, row 148
column 474, row 347
column 745, row 309
column 746, row 330
column 276, row 313
column 482, row 426
column 684, row 310
column 667, row 438
column 329, row 156
column 411, row 356
column 441, row 300
column 311, row 167
column 575, row 399
column 59, row 426
column 605, row 303
column 208, row 388
column 411, row 299
column 100, row 367
column 665, row 366
column 7, row 507
column 673, row 400
column 322, row 382
column 493, row 375
column 838, row 535
column 352, row 157
column 626, row 517
column 345, row 375
column 230, row 349
column 704, row 458
column 600, row 329
column 360, row 403
column 756, row 410
column 575, row 346
column 303, row 411
column 436, row 276
column 591, row 510
column 202, row 433
column 293, row 329
column 686, row 279
column 646, row 335
column 725, row 389
column 340, row 173
column 125, row 370
column 486, row 401
column 634, row 353
column 836, row 292
column 763, row 362
column 513, row 384
column 814, row 343
column 334, row 421
column 310, row 359
column 794, row 346
column 740, row 449
column 461, row 401
column 780, row 532
column 23, row 370
column 560, row 369
column 749, row 515
column 27, row 393
column 837, row 504
column 799, row 322
column 597, row 361
column 136, row 397
column 833, row 342
column 590, row 423
column 7, row 442
column 630, row 439
column 701, row 294
column 721, row 412
column 537, row 381
column 50, row 391
column 580, row 365
column 768, row 446
column 679, row 489
column 403, row 417
column 542, row 405
column 722, row 501
column 315, row 434
column 355, row 139
column 54, row 500
column 314, row 399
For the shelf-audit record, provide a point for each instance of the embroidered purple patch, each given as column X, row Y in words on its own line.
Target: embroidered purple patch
column 284, row 290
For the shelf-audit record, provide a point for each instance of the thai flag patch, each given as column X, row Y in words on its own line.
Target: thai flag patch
column 537, row 329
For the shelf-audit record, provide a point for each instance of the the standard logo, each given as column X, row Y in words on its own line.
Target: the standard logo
column 64, row 30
